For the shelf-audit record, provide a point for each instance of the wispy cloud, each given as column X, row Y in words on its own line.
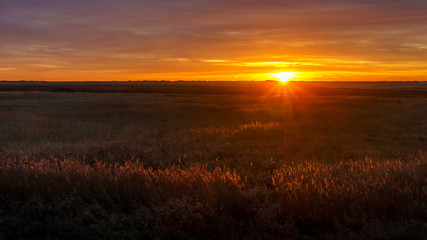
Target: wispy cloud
column 163, row 39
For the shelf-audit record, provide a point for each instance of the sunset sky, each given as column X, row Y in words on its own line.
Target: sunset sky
column 64, row 40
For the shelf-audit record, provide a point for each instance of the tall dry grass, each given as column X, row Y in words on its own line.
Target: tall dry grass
column 331, row 162
column 302, row 199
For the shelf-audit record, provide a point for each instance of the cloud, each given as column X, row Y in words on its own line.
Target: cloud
column 140, row 37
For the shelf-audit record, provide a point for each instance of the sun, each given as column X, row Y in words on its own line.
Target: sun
column 284, row 76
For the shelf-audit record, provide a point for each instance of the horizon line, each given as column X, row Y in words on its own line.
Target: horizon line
column 189, row 81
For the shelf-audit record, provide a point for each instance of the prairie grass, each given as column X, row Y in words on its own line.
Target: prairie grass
column 302, row 199
column 201, row 161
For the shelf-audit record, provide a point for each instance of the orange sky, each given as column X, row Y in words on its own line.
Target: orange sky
column 213, row 40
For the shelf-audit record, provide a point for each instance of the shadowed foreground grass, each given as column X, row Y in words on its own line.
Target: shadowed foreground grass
column 213, row 161
column 302, row 199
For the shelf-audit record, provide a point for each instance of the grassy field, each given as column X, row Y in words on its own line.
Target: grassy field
column 217, row 160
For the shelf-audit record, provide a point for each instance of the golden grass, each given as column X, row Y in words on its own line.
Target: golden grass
column 336, row 161
column 302, row 198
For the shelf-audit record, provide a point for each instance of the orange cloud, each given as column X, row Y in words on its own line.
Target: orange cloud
column 212, row 40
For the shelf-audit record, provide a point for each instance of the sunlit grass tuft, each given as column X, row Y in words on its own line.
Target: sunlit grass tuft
column 196, row 199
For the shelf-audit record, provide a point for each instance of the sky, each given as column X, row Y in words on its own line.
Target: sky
column 122, row 40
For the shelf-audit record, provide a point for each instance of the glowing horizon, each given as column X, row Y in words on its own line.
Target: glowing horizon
column 285, row 76
column 204, row 40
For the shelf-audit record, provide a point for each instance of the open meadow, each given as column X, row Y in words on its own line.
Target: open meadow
column 213, row 160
